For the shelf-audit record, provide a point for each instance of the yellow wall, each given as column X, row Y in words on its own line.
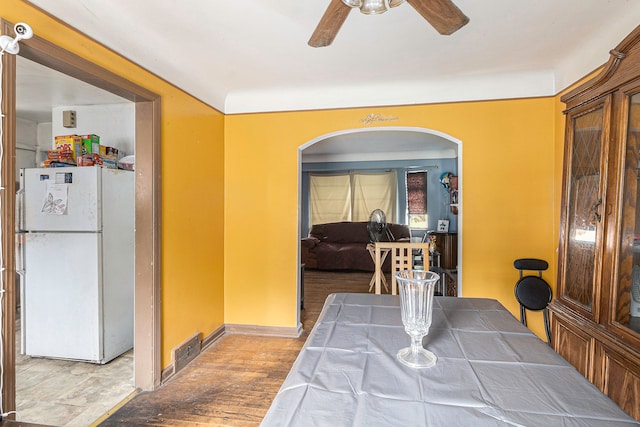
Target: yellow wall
column 508, row 172
column 192, row 187
column 246, row 170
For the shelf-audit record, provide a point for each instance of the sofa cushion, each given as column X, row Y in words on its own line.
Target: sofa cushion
column 343, row 256
column 355, row 256
column 341, row 232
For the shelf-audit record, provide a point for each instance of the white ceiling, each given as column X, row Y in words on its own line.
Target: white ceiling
column 40, row 89
column 252, row 55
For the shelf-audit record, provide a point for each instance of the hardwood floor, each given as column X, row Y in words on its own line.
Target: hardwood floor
column 233, row 382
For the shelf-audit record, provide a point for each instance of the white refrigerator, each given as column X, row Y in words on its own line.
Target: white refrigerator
column 77, row 228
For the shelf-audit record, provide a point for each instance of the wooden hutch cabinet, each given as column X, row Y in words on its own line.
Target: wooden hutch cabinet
column 594, row 319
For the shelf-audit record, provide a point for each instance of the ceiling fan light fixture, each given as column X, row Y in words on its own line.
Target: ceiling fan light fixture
column 373, row 7
column 443, row 15
column 353, row 3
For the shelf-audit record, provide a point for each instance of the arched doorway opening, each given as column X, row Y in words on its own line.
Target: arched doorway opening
column 385, row 148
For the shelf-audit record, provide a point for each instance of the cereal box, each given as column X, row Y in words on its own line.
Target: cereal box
column 90, row 144
column 70, row 142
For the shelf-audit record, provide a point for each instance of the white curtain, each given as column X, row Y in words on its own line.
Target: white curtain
column 374, row 191
column 330, row 198
column 352, row 197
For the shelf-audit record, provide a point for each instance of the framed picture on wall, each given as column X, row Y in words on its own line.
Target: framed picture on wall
column 443, row 226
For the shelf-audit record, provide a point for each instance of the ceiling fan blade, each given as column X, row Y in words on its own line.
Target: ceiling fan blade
column 329, row 24
column 443, row 15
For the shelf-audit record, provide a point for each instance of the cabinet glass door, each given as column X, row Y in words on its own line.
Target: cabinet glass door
column 583, row 209
column 627, row 295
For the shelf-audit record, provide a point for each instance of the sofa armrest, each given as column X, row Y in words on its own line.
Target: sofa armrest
column 309, row 242
column 307, row 251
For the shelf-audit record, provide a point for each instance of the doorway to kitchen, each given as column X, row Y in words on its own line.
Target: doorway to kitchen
column 147, row 242
column 74, row 327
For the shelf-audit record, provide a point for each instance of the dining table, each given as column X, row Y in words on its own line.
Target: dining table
column 490, row 371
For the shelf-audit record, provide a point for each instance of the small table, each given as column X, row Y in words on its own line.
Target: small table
column 384, row 252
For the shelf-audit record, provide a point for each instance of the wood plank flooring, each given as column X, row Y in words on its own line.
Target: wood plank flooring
column 233, row 382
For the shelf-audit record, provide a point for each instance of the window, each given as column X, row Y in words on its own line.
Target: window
column 330, row 198
column 417, row 199
column 352, row 197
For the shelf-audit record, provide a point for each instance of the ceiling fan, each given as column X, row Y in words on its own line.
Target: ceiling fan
column 443, row 15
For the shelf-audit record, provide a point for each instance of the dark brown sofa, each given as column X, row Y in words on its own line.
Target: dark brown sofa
column 343, row 246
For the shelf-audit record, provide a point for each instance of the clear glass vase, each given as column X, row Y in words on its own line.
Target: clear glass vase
column 416, row 300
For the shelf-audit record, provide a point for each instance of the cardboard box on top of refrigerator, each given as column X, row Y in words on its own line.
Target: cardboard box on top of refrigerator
column 86, row 160
column 60, row 156
column 107, row 152
column 103, row 161
column 109, row 163
column 90, row 144
column 70, row 142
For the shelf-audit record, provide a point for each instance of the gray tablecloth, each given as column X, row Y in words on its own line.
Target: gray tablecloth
column 491, row 371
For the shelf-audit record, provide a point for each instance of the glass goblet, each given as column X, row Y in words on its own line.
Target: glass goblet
column 416, row 301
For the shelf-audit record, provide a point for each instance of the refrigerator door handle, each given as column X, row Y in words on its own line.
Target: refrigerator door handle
column 20, row 208
column 20, row 257
column 20, row 253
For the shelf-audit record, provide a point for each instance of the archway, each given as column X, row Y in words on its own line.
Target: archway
column 379, row 144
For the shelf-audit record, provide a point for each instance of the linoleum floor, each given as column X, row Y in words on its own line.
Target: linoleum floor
column 66, row 393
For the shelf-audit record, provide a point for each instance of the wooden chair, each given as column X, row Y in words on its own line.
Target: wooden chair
column 401, row 259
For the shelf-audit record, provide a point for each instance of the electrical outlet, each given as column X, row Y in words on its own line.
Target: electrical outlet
column 186, row 352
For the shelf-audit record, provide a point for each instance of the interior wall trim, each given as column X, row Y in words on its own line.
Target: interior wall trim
column 268, row 331
column 148, row 204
